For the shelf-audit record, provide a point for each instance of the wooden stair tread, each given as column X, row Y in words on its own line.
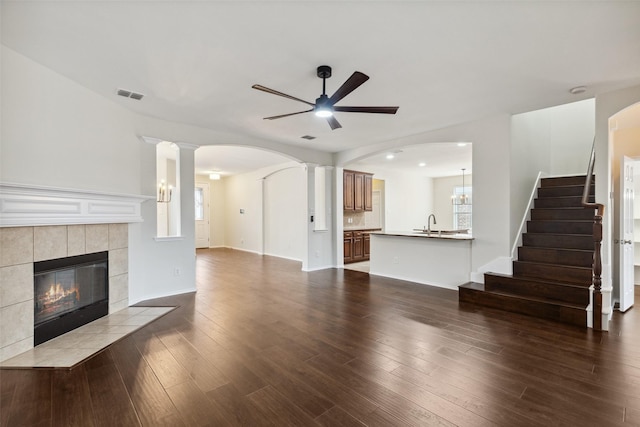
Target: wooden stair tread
column 559, row 234
column 479, row 287
column 557, row 265
column 535, row 279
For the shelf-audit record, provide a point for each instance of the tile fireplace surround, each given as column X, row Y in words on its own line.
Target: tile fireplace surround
column 20, row 247
column 38, row 224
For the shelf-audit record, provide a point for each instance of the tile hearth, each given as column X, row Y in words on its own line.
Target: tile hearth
column 73, row 347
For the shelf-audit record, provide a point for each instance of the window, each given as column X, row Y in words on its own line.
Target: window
column 199, row 200
column 462, row 213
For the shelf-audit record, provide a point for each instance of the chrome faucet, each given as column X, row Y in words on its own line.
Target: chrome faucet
column 429, row 222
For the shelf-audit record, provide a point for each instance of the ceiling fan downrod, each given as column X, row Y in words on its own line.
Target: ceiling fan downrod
column 324, row 72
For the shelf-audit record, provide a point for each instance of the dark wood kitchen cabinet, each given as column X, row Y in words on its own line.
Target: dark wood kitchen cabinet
column 357, row 245
column 357, row 191
column 348, row 246
column 348, row 190
column 366, row 242
column 368, row 193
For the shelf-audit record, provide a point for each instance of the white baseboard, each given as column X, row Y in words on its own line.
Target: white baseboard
column 500, row 265
column 163, row 295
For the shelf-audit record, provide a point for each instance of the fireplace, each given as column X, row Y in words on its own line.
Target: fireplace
column 68, row 293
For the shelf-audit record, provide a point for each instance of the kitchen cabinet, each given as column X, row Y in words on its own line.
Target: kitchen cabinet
column 357, row 191
column 367, row 245
column 357, row 245
column 348, row 246
column 368, row 193
column 348, row 190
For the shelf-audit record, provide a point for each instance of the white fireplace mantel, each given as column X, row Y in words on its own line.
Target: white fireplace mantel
column 30, row 205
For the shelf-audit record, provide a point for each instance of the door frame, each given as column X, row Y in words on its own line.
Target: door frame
column 206, row 197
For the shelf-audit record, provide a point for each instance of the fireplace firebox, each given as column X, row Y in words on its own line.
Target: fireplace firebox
column 68, row 293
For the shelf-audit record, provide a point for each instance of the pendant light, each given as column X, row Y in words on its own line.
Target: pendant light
column 462, row 199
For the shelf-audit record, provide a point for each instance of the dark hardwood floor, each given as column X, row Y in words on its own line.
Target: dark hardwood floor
column 262, row 343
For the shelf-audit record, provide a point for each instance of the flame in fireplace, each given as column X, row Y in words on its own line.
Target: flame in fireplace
column 57, row 293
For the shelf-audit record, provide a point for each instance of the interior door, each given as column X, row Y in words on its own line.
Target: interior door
column 202, row 214
column 626, row 234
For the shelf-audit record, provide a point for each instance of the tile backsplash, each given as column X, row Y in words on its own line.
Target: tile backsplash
column 361, row 220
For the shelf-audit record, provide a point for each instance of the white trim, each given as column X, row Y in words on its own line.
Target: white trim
column 163, row 295
column 168, row 238
column 326, row 267
column 32, row 205
column 187, row 146
column 527, row 213
column 500, row 265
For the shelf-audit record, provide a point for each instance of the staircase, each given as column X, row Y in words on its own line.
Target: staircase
column 553, row 272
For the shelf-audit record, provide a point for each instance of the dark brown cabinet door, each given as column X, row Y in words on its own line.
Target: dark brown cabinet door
column 348, row 247
column 348, row 190
column 358, row 184
column 367, row 245
column 358, row 246
column 368, row 193
column 357, row 191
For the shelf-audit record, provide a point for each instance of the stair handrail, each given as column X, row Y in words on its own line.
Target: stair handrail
column 597, row 241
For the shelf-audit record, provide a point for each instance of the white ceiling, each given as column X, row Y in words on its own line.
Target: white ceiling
column 442, row 62
column 439, row 159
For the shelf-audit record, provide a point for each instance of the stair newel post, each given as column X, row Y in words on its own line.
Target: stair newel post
column 597, row 271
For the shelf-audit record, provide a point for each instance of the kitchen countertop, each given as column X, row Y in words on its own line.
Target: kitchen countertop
column 361, row 229
column 433, row 235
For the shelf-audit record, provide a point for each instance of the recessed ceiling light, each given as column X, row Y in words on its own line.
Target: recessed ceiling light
column 214, row 176
column 422, row 164
column 577, row 90
column 390, row 156
column 462, row 144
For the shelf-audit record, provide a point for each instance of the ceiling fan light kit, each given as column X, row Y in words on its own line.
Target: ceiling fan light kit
column 325, row 105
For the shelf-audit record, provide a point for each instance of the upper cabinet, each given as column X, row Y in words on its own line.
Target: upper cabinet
column 348, row 190
column 357, row 191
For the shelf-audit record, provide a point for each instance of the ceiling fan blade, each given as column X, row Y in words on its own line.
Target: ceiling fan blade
column 286, row 115
column 275, row 92
column 333, row 123
column 379, row 110
column 349, row 86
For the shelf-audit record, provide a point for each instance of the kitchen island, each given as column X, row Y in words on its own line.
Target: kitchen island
column 435, row 259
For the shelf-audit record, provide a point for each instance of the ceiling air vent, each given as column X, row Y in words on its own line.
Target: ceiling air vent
column 309, row 137
column 129, row 94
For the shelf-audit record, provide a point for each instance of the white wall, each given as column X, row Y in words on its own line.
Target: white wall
column 285, row 207
column 217, row 219
column 554, row 140
column 57, row 133
column 273, row 221
column 243, row 212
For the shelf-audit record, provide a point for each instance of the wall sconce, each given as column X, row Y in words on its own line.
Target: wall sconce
column 164, row 196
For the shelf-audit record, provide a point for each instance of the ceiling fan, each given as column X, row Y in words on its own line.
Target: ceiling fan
column 325, row 105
